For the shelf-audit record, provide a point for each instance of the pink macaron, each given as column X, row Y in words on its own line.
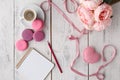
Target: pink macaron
column 37, row 25
column 27, row 34
column 21, row 45
column 38, row 36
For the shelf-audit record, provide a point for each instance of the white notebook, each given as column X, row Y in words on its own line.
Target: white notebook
column 34, row 66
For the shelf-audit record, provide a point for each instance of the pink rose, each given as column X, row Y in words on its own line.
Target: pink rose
column 81, row 1
column 102, row 17
column 103, row 12
column 86, row 16
column 91, row 4
column 95, row 17
column 99, row 26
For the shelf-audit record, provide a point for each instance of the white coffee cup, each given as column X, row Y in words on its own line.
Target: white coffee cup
column 29, row 15
column 35, row 9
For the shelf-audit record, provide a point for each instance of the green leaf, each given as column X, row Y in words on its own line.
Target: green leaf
column 107, row 1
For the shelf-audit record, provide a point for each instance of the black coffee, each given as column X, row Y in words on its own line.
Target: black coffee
column 29, row 15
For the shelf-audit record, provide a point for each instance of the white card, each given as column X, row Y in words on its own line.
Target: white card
column 35, row 66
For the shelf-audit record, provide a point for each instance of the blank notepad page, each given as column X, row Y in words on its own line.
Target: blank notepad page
column 35, row 66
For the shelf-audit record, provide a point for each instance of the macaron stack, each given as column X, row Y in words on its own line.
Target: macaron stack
column 36, row 33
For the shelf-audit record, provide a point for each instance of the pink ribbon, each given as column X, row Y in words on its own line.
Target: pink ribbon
column 76, row 4
column 63, row 14
column 99, row 75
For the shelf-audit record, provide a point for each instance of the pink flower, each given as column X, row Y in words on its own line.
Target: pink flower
column 99, row 26
column 86, row 16
column 81, row 1
column 95, row 17
column 102, row 17
column 91, row 4
column 103, row 12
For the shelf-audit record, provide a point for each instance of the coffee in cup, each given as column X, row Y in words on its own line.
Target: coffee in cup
column 29, row 15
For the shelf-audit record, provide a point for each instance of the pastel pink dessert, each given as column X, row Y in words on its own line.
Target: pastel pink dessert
column 27, row 34
column 37, row 25
column 21, row 45
column 90, row 55
column 38, row 36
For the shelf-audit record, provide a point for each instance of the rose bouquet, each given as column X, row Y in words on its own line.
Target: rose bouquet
column 95, row 14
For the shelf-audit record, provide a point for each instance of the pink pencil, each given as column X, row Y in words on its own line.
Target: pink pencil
column 55, row 57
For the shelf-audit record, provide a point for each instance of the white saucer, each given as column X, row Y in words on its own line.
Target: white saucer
column 39, row 11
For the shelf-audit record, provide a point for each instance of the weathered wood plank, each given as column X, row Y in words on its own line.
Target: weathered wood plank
column 112, row 36
column 65, row 49
column 6, row 40
column 109, row 36
column 40, row 46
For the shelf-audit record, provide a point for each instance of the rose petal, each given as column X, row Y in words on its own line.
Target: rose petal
column 99, row 26
column 86, row 16
column 81, row 1
column 88, row 27
column 91, row 4
column 104, row 11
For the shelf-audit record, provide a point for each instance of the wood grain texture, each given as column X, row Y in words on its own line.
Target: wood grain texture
column 65, row 49
column 10, row 32
column 6, row 40
column 40, row 46
column 109, row 36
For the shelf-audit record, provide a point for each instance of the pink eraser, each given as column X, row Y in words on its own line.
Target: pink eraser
column 21, row 45
column 27, row 34
column 38, row 36
column 37, row 25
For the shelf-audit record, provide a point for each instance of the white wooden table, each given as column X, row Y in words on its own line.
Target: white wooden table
column 57, row 30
